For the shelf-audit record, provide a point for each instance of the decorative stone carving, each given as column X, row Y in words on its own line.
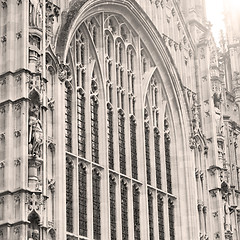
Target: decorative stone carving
column 52, row 11
column 1, row 200
column 19, row 34
column 2, row 164
column 17, row 133
column 17, row 106
column 157, row 3
column 217, row 235
column 4, row 3
column 35, row 13
column 16, row 230
column 51, row 103
column 18, row 78
column 225, row 190
column 17, row 198
column 17, row 162
column 213, row 192
column 51, row 185
column 64, row 72
column 215, row 214
column 4, row 38
column 2, row 136
column 213, row 169
column 3, row 81
column 2, row 109
column 34, row 201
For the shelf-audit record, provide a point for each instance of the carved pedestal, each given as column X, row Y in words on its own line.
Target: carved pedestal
column 34, row 164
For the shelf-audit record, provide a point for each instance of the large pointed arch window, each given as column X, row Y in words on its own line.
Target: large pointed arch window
column 119, row 142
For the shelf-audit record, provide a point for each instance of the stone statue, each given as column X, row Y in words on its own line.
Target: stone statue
column 227, row 220
column 35, row 235
column 35, row 132
column 217, row 98
column 35, row 13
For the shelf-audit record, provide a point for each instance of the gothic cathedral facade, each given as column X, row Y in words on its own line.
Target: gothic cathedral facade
column 119, row 120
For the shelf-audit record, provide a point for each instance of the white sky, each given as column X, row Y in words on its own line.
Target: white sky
column 215, row 16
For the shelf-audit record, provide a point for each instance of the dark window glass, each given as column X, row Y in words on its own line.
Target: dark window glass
column 68, row 118
column 82, row 190
column 110, row 138
column 69, row 195
column 167, row 156
column 136, row 212
column 121, row 137
column 171, row 219
column 124, row 210
column 157, row 157
column 96, row 205
column 150, row 215
column 147, row 152
column 81, row 125
column 160, row 217
column 94, row 130
column 133, row 142
column 113, row 209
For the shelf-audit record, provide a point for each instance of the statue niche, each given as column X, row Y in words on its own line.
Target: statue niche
column 35, row 13
column 33, row 228
column 35, row 133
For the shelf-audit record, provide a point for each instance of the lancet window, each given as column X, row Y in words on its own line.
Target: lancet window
column 171, row 219
column 124, row 209
column 147, row 146
column 80, row 59
column 113, row 208
column 136, row 212
column 157, row 158
column 68, row 118
column 69, row 195
column 121, row 139
column 160, row 217
column 94, row 120
column 81, row 124
column 150, row 215
column 96, row 192
column 133, row 147
column 110, row 136
column 167, row 155
column 82, row 191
